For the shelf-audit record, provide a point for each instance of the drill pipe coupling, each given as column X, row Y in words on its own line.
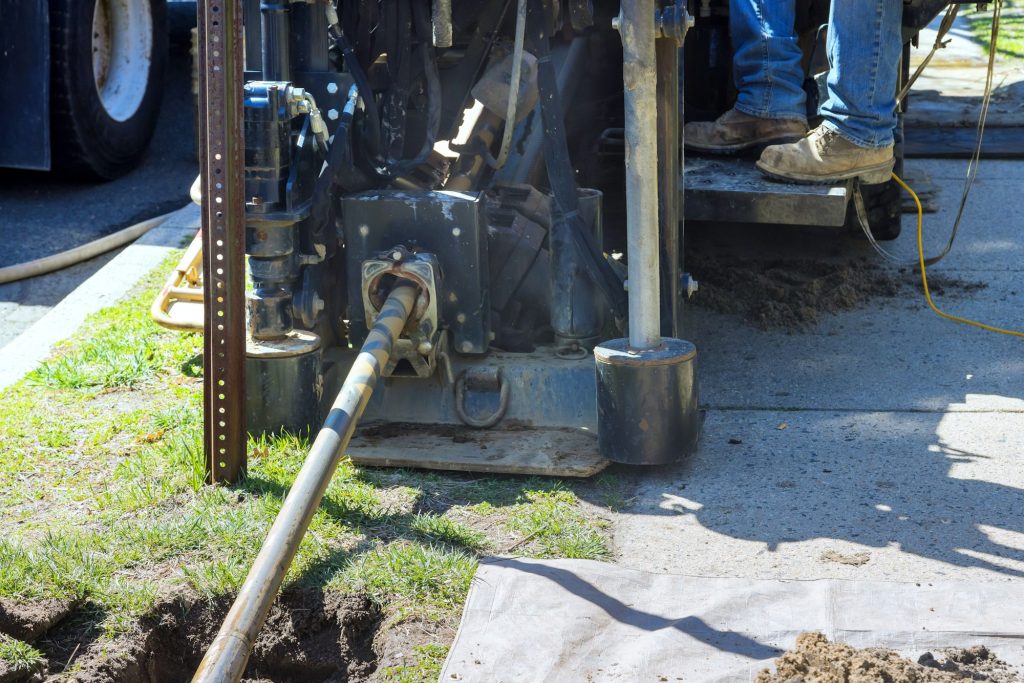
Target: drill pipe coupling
column 673, row 21
column 421, row 337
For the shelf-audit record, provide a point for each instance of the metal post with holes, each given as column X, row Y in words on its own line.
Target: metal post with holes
column 223, row 215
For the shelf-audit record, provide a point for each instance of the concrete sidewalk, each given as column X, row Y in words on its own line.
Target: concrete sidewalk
column 106, row 286
column 949, row 90
column 885, row 443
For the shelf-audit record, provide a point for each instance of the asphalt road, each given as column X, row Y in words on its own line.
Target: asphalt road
column 43, row 214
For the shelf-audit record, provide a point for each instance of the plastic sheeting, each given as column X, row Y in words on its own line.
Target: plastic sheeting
column 580, row 620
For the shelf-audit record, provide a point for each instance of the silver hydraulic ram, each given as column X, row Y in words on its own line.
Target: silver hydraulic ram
column 647, row 411
column 226, row 659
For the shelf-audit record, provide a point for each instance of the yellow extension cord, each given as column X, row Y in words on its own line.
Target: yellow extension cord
column 924, row 274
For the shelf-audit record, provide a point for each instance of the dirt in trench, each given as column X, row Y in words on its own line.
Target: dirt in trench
column 816, row 660
column 27, row 620
column 793, row 294
column 310, row 636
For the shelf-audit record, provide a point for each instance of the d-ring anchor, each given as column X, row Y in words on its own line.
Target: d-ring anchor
column 481, row 380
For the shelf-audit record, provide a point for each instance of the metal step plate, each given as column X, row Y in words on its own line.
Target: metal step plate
column 548, row 452
column 734, row 190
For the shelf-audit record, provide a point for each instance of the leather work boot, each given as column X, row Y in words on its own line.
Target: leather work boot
column 735, row 131
column 824, row 156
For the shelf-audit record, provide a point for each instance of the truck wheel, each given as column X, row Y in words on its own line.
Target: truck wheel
column 107, row 76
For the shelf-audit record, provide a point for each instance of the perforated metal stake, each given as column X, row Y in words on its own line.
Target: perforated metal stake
column 221, row 165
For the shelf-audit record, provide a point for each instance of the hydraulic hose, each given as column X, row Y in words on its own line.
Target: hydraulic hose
column 226, row 659
column 65, row 259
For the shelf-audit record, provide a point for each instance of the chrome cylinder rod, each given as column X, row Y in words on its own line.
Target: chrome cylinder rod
column 226, row 659
column 640, row 81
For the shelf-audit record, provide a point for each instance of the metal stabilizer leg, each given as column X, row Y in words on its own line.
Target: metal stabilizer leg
column 646, row 385
column 226, row 659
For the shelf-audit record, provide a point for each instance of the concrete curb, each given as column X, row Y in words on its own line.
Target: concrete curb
column 26, row 351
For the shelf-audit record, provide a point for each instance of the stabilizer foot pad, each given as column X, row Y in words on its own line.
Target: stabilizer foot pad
column 551, row 452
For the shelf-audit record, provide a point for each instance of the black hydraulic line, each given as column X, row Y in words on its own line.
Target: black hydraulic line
column 560, row 171
column 226, row 659
column 398, row 37
column 421, row 21
column 373, row 139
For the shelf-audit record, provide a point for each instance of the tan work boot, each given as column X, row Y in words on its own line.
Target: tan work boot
column 735, row 131
column 824, row 156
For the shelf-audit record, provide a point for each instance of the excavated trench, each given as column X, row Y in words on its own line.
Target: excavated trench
column 310, row 636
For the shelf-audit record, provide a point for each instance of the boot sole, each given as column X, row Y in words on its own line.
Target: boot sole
column 870, row 175
column 741, row 146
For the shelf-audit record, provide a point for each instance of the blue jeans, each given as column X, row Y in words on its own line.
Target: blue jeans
column 864, row 46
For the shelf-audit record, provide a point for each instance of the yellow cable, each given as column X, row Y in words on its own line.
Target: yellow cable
column 924, row 275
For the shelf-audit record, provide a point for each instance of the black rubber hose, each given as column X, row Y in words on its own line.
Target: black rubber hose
column 373, row 140
column 424, row 34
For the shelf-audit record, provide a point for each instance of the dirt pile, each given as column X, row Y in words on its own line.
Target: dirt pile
column 310, row 636
column 792, row 294
column 816, row 660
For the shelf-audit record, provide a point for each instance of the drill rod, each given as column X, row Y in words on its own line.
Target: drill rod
column 226, row 659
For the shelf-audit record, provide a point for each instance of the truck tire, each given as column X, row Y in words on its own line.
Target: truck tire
column 108, row 59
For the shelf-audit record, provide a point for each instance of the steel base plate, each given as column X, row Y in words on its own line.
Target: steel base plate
column 534, row 451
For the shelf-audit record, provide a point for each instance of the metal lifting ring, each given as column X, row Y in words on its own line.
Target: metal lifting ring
column 572, row 352
column 492, row 419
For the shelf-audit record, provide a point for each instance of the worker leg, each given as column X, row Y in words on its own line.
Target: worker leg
column 766, row 63
column 864, row 46
column 770, row 107
column 855, row 140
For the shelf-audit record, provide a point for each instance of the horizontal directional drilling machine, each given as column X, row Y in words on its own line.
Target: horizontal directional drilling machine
column 461, row 223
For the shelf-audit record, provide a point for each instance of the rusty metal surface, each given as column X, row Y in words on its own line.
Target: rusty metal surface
column 221, row 167
column 669, row 198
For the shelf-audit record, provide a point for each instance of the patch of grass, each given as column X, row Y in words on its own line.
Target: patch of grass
column 446, row 530
column 411, row 573
column 426, row 667
column 18, row 655
column 1010, row 43
column 553, row 525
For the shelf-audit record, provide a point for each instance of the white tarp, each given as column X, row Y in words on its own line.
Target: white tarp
column 528, row 621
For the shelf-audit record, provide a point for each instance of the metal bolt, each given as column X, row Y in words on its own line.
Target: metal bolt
column 332, row 88
column 396, row 255
column 333, row 114
column 690, row 286
column 425, row 348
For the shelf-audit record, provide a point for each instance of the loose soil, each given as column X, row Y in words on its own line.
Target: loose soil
column 29, row 620
column 792, row 294
column 310, row 636
column 816, row 660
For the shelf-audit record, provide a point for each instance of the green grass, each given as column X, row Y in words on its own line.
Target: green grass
column 103, row 500
column 427, row 665
column 1010, row 42
column 19, row 656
